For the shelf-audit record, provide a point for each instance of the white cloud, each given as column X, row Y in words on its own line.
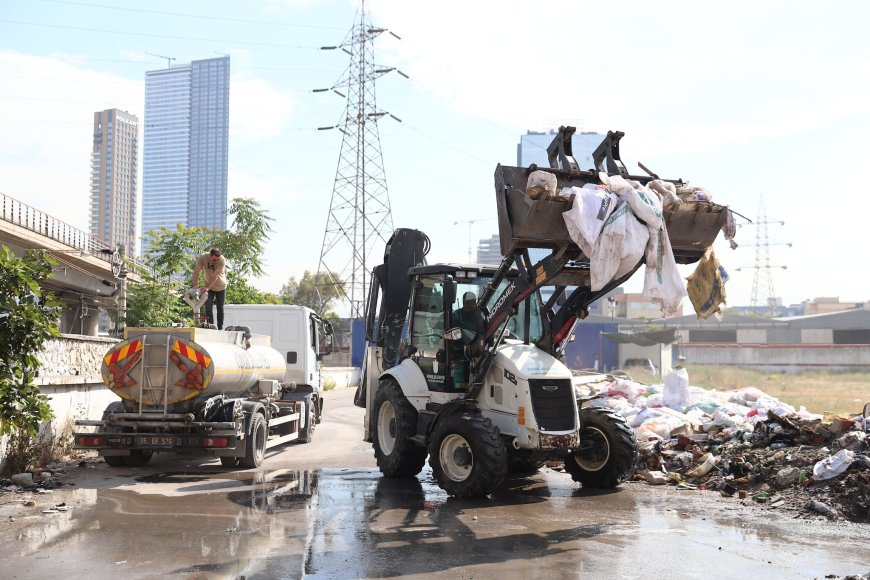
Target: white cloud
column 258, row 111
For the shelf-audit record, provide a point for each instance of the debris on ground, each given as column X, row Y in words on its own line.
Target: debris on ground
column 744, row 444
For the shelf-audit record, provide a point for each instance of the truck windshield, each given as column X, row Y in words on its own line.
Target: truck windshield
column 515, row 326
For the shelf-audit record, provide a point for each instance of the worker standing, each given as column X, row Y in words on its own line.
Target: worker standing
column 213, row 267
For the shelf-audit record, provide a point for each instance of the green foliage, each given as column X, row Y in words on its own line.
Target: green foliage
column 316, row 291
column 155, row 303
column 240, row 292
column 27, row 320
column 173, row 253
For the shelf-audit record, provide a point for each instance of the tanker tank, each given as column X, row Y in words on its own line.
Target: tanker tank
column 159, row 367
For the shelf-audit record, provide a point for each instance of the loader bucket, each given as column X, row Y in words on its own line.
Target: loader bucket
column 524, row 223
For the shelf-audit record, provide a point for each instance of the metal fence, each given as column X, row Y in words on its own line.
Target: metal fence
column 34, row 220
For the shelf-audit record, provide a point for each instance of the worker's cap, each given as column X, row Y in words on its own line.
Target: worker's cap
column 469, row 297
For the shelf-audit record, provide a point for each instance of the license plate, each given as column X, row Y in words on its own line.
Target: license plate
column 156, row 440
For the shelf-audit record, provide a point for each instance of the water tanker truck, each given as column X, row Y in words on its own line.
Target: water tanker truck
column 223, row 393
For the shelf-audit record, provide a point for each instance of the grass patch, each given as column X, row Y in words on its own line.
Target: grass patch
column 328, row 384
column 818, row 391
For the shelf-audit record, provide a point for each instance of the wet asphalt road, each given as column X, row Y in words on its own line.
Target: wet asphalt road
column 322, row 510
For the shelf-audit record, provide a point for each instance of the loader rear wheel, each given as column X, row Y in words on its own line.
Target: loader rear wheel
column 138, row 458
column 395, row 423
column 521, row 462
column 467, row 455
column 255, row 444
column 115, row 460
column 607, row 455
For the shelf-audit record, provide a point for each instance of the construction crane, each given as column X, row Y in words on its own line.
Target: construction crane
column 469, row 222
column 169, row 59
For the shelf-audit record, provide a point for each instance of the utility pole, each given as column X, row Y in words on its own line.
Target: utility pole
column 169, row 59
column 763, row 268
column 360, row 220
column 469, row 222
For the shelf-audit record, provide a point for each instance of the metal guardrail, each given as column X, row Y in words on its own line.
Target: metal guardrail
column 34, row 220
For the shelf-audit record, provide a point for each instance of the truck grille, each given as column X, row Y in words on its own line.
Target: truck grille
column 552, row 404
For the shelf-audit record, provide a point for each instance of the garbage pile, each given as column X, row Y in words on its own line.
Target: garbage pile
column 744, row 444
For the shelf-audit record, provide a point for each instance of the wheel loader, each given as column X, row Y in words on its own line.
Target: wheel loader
column 492, row 397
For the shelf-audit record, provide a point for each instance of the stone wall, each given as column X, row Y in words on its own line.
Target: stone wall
column 70, row 377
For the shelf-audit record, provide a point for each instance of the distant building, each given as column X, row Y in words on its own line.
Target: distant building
column 489, row 251
column 186, row 144
column 533, row 148
column 114, row 177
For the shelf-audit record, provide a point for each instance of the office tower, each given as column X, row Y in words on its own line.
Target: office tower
column 114, row 158
column 184, row 167
column 489, row 251
column 533, row 148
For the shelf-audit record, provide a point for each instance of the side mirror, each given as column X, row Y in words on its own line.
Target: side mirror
column 454, row 333
column 449, row 292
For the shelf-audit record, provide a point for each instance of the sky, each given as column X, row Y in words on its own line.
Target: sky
column 764, row 104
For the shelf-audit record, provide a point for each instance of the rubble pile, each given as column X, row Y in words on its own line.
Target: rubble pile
column 744, row 444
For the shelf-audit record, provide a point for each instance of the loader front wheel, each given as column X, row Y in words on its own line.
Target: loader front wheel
column 607, row 455
column 255, row 445
column 467, row 456
column 395, row 423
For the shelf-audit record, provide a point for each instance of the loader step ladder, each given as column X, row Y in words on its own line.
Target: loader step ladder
column 157, row 394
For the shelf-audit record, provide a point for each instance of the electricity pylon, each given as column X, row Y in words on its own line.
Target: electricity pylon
column 763, row 279
column 360, row 221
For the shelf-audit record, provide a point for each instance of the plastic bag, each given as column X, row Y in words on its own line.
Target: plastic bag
column 833, row 465
column 592, row 207
column 541, row 184
column 676, row 392
column 619, row 247
column 662, row 283
column 706, row 287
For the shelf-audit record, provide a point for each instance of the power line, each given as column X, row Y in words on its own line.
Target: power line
column 150, row 35
column 187, row 15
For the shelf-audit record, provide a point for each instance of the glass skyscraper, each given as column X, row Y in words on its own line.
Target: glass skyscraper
column 114, row 158
column 533, row 148
column 184, row 169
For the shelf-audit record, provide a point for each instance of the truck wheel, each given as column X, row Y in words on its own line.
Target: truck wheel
column 230, row 461
column 307, row 433
column 255, row 444
column 467, row 456
column 395, row 423
column 521, row 462
column 115, row 460
column 607, row 455
column 138, row 458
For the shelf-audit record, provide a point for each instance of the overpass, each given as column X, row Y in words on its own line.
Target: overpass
column 89, row 278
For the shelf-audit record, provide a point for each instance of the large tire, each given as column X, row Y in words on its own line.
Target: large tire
column 467, row 455
column 138, row 458
column 395, row 422
column 115, row 460
column 607, row 455
column 522, row 462
column 255, row 443
column 307, row 433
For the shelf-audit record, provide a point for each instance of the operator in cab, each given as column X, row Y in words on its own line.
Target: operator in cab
column 466, row 317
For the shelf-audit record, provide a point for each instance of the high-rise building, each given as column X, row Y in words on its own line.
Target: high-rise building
column 184, row 169
column 489, row 251
column 114, row 176
column 533, row 148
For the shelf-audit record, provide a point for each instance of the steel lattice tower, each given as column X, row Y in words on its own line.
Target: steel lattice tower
column 360, row 221
column 763, row 278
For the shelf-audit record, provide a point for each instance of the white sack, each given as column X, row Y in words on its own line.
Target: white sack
column 592, row 206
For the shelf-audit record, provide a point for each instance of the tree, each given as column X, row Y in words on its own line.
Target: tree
column 172, row 254
column 316, row 291
column 27, row 319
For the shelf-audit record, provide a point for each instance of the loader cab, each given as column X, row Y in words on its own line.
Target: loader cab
column 436, row 300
